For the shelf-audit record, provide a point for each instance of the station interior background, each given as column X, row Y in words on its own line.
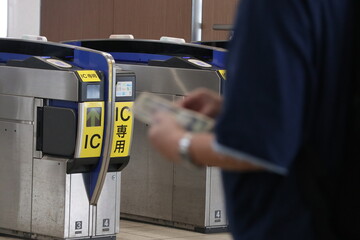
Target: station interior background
column 61, row 20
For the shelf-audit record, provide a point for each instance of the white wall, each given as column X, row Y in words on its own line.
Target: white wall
column 3, row 18
column 23, row 17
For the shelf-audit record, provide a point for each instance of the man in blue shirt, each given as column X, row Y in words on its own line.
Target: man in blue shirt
column 281, row 127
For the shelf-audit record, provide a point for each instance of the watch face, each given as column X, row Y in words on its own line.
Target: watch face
column 184, row 144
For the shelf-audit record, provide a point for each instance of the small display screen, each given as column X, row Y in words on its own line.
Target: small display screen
column 92, row 91
column 124, row 89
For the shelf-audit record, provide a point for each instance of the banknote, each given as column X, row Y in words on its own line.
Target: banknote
column 147, row 104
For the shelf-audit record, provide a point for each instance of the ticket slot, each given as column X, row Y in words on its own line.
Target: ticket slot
column 81, row 165
column 118, row 163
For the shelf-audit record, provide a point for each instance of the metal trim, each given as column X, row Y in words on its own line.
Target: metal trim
column 37, row 103
column 92, row 221
column 196, row 20
column 67, row 206
column 109, row 123
column 79, row 130
column 117, row 206
column 17, row 121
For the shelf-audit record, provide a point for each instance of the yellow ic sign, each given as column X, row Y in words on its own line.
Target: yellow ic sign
column 92, row 115
column 123, row 125
column 88, row 76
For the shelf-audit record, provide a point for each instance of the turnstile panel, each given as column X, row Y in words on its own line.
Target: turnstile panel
column 108, row 207
column 151, row 178
column 51, row 197
column 15, row 174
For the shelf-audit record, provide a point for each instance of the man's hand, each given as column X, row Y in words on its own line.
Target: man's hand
column 203, row 101
column 165, row 133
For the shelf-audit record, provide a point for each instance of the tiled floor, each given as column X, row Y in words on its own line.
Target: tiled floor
column 142, row 231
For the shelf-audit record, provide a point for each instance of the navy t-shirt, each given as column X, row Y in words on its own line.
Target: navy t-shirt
column 288, row 79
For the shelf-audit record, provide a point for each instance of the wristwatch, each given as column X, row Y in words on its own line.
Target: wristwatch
column 184, row 145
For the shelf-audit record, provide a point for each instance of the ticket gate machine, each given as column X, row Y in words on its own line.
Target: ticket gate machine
column 155, row 190
column 65, row 134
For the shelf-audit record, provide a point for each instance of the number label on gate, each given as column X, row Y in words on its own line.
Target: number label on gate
column 92, row 115
column 217, row 215
column 122, row 129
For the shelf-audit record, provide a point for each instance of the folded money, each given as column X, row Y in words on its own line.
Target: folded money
column 147, row 105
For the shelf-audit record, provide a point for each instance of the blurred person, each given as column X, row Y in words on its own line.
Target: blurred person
column 282, row 123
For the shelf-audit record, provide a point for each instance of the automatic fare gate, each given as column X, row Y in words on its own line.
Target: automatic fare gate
column 155, row 190
column 65, row 134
